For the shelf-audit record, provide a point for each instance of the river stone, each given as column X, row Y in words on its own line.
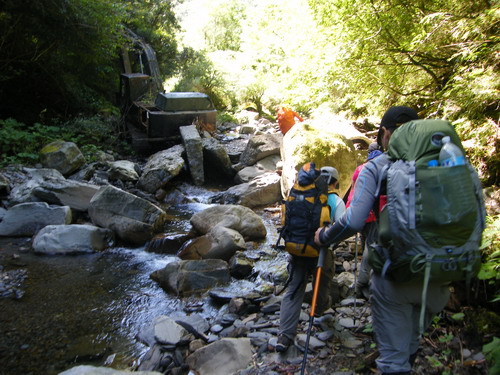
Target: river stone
column 134, row 220
column 195, row 322
column 161, row 168
column 26, row 219
column 66, row 157
column 241, row 219
column 225, row 356
column 71, row 239
column 168, row 332
column 240, row 265
column 219, row 243
column 74, row 194
column 259, row 147
column 314, row 343
column 304, row 143
column 194, row 152
column 187, row 277
column 123, row 170
column 91, row 370
column 216, row 159
column 268, row 164
column 24, row 192
column 261, row 191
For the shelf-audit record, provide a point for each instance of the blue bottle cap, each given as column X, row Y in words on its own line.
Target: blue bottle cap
column 433, row 163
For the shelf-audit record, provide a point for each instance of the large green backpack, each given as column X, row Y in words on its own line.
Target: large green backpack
column 431, row 225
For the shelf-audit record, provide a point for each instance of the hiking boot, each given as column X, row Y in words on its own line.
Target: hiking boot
column 283, row 343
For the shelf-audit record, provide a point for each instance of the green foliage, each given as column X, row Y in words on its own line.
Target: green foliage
column 59, row 58
column 490, row 268
column 225, row 27
column 199, row 74
column 223, row 117
column 155, row 21
column 21, row 143
column 458, row 316
column 492, row 353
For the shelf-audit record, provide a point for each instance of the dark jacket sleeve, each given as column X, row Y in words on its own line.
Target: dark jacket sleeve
column 365, row 194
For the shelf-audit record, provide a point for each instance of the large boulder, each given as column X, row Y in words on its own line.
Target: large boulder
column 218, row 243
column 66, row 157
column 194, row 152
column 26, row 219
column 74, row 194
column 216, row 159
column 241, row 219
column 268, row 164
column 134, row 220
column 23, row 192
column 305, row 143
column 123, row 170
column 161, row 168
column 188, row 277
column 259, row 147
column 261, row 191
column 72, row 239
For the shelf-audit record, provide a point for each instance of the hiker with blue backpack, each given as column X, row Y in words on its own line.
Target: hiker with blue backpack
column 311, row 203
column 430, row 217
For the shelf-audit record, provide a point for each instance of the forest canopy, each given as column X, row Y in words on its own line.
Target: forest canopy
column 60, row 58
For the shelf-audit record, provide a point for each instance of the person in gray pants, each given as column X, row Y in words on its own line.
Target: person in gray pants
column 395, row 306
column 300, row 268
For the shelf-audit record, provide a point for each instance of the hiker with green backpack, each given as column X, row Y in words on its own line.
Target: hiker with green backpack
column 311, row 203
column 430, row 217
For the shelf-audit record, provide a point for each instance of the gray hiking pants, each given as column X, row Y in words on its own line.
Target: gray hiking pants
column 300, row 268
column 396, row 313
column 370, row 234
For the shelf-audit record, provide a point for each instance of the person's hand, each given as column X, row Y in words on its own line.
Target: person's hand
column 316, row 236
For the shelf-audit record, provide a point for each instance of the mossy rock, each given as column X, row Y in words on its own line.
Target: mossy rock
column 305, row 143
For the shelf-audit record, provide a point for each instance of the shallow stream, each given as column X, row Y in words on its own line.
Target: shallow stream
column 87, row 309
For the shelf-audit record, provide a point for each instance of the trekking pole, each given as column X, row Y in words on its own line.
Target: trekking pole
column 321, row 261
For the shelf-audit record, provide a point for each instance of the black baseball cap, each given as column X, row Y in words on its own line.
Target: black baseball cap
column 394, row 117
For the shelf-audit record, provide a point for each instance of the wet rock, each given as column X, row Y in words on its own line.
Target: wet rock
column 262, row 190
column 74, row 194
column 123, row 170
column 161, row 168
column 192, row 276
column 11, row 283
column 259, row 147
column 26, row 219
column 241, row 219
column 194, row 153
column 219, row 243
column 168, row 332
column 72, row 239
column 216, row 160
column 134, row 220
column 63, row 156
column 240, row 266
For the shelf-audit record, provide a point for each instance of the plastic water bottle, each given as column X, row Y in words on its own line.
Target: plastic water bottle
column 450, row 154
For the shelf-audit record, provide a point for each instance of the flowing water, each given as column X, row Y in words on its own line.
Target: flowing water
column 87, row 309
